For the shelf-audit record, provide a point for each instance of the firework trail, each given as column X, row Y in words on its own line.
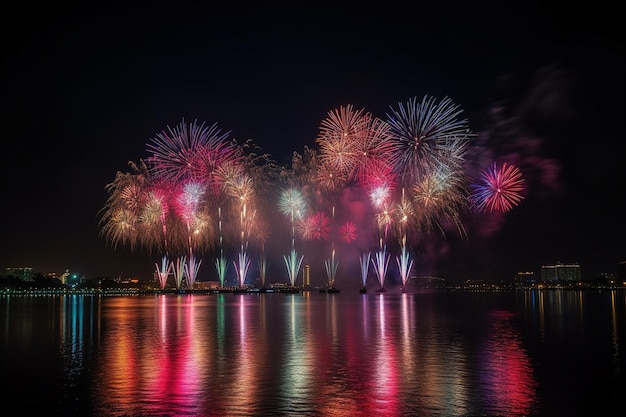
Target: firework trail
column 365, row 263
column 188, row 203
column 380, row 200
column 380, row 263
column 191, row 154
column 179, row 272
column 350, row 142
column 191, row 270
column 163, row 272
column 291, row 203
column 241, row 267
column 331, row 268
column 221, row 265
column 262, row 234
column 293, row 263
column 405, row 263
column 240, row 187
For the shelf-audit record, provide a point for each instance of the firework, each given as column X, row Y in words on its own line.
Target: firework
column 191, row 270
column 347, row 232
column 293, row 263
column 405, row 263
column 331, row 268
column 190, row 151
column 221, row 265
column 154, row 217
column 330, row 179
column 365, row 263
column 353, row 145
column 411, row 166
column 120, row 221
column 423, row 134
column 373, row 148
column 292, row 204
column 241, row 267
column 165, row 270
column 500, row 189
column 179, row 272
column 439, row 195
column 380, row 263
column 338, row 133
column 321, row 225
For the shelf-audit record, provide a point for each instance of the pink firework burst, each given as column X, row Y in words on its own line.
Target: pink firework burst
column 305, row 228
column 347, row 232
column 321, row 225
column 500, row 189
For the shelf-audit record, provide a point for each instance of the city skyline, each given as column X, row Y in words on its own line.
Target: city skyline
column 83, row 93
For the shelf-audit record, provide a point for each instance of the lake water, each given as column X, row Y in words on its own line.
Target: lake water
column 517, row 353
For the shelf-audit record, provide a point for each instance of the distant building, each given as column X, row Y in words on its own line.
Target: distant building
column 428, row 281
column 23, row 273
column 621, row 272
column 560, row 272
column 525, row 278
column 207, row 285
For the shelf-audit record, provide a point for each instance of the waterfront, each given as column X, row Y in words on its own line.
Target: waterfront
column 510, row 353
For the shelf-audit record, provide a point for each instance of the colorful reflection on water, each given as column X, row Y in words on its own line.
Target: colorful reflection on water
column 296, row 354
column 318, row 354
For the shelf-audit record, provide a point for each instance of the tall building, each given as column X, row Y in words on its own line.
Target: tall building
column 560, row 272
column 306, row 276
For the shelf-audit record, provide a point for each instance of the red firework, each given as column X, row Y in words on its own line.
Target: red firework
column 347, row 232
column 321, row 225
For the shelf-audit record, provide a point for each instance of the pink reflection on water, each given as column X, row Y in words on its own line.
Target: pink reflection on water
column 245, row 354
column 153, row 374
column 506, row 368
column 384, row 395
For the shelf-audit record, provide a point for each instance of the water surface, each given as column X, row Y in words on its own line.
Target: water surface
column 525, row 353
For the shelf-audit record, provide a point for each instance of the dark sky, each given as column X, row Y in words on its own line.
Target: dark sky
column 84, row 89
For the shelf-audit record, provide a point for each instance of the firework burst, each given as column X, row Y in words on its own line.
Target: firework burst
column 347, row 232
column 321, row 225
column 292, row 204
column 338, row 134
column 190, row 151
column 500, row 189
column 439, row 196
column 423, row 134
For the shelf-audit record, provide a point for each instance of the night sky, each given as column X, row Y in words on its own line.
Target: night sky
column 85, row 88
